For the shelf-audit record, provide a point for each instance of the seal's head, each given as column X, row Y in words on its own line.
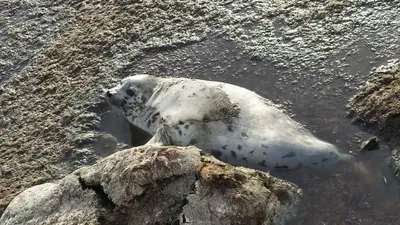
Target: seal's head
column 132, row 93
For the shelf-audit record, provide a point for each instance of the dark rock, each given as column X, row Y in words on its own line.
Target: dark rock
column 394, row 162
column 370, row 144
column 377, row 103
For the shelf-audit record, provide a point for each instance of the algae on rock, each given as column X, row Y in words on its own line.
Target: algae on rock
column 157, row 185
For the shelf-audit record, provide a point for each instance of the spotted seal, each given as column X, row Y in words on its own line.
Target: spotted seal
column 232, row 123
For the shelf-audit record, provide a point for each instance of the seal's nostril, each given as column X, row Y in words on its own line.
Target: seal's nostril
column 108, row 94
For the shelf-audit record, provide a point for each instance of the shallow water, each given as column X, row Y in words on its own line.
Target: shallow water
column 362, row 191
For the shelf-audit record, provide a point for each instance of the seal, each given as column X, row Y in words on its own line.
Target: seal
column 232, row 123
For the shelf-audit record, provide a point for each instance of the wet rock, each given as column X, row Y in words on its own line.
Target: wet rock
column 377, row 102
column 157, row 185
column 394, row 162
column 370, row 144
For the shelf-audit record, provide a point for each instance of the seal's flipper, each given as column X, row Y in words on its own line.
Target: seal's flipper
column 154, row 141
column 160, row 138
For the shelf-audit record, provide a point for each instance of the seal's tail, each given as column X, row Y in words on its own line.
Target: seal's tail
column 346, row 157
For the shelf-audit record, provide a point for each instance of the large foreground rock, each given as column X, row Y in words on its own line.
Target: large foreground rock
column 157, row 185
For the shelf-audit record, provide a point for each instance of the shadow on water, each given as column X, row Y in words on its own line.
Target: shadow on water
column 113, row 122
column 362, row 191
column 117, row 125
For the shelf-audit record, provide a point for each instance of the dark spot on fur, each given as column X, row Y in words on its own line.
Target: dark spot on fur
column 216, row 153
column 314, row 163
column 181, row 122
column 230, row 129
column 233, row 154
column 244, row 158
column 251, row 152
column 130, row 92
column 264, row 153
column 143, row 98
column 126, row 98
column 176, row 128
column 148, row 123
column 148, row 117
column 191, row 123
column 193, row 141
column 281, row 167
column 324, row 159
column 179, row 132
column 154, row 117
column 264, row 146
column 206, row 119
column 123, row 103
column 262, row 163
column 239, row 147
column 244, row 134
column 290, row 155
column 186, row 127
column 224, row 147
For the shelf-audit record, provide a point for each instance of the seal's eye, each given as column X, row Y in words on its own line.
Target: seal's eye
column 130, row 92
